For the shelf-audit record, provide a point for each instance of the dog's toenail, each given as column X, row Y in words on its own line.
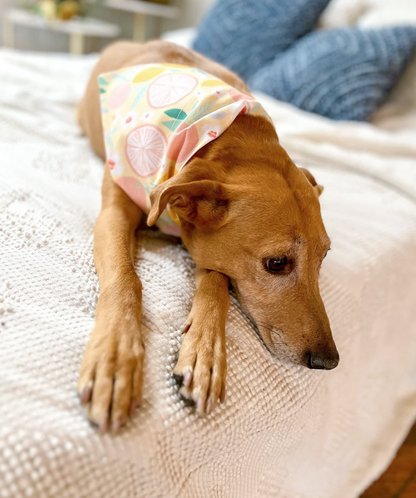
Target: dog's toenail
column 86, row 395
column 187, row 379
column 178, row 378
column 186, row 400
column 210, row 406
column 222, row 395
column 133, row 407
column 185, row 328
column 200, row 405
column 103, row 425
column 117, row 423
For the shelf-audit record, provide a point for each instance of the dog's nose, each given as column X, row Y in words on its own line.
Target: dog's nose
column 316, row 361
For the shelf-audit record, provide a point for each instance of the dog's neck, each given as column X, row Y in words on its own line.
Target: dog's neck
column 249, row 139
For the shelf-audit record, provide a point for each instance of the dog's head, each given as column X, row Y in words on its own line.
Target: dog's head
column 251, row 214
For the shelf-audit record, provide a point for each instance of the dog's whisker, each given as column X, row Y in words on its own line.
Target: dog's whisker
column 277, row 332
column 265, row 325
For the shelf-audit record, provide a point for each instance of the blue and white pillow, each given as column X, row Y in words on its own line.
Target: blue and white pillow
column 244, row 35
column 344, row 74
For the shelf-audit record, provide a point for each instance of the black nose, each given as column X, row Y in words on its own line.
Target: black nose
column 317, row 361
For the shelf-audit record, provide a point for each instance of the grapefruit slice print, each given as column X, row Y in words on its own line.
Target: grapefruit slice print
column 169, row 89
column 145, row 149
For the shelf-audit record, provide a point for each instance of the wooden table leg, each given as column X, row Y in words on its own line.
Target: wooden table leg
column 139, row 28
column 158, row 27
column 76, row 43
column 8, row 33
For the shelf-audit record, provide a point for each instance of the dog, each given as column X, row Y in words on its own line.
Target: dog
column 248, row 216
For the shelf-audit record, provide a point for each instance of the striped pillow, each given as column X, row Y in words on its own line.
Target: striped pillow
column 343, row 74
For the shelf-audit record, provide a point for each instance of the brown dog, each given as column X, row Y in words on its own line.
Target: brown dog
column 248, row 215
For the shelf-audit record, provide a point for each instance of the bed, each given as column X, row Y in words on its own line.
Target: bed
column 284, row 431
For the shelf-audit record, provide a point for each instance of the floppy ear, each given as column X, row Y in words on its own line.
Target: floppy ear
column 318, row 188
column 203, row 203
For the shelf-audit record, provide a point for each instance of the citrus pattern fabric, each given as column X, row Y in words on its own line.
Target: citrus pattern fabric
column 156, row 117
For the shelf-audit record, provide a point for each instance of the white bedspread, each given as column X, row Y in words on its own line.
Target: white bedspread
column 284, row 431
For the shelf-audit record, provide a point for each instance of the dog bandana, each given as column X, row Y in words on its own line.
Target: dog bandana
column 156, row 117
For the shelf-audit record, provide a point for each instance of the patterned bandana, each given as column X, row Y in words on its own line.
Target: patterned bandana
column 156, row 117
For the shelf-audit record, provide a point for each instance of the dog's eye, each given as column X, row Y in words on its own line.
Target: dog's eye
column 275, row 265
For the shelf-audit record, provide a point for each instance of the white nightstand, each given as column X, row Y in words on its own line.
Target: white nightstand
column 77, row 29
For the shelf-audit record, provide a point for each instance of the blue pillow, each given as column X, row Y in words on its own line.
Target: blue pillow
column 343, row 74
column 244, row 35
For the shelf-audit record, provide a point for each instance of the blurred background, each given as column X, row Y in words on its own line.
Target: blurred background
column 373, row 37
column 41, row 27
column 134, row 19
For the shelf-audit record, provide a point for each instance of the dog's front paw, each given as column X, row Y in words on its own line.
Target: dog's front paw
column 111, row 373
column 202, row 364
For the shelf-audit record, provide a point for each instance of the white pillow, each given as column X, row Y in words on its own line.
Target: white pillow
column 344, row 12
column 368, row 13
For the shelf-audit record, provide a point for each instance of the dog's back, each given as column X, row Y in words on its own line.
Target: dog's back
column 124, row 54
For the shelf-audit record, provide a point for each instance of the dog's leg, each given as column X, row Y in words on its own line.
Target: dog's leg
column 111, row 372
column 202, row 358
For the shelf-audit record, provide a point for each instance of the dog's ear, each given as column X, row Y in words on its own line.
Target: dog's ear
column 318, row 188
column 197, row 200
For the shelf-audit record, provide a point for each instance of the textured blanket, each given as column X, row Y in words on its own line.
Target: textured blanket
column 284, row 431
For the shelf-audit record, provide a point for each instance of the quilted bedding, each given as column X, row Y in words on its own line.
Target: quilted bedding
column 284, row 431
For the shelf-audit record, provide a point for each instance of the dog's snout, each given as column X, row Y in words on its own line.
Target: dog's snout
column 317, row 361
